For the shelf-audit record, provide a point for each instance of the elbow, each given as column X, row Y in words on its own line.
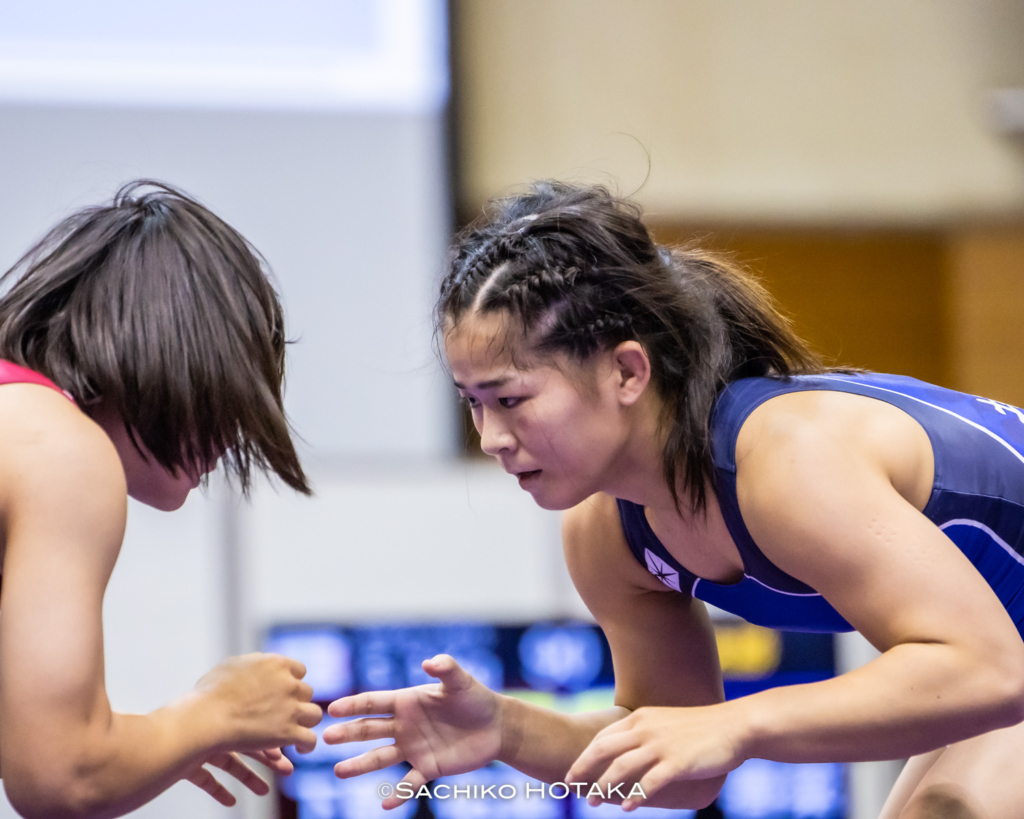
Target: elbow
column 54, row 794
column 1005, row 686
column 1011, row 703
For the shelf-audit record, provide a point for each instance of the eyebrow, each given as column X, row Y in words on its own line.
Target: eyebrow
column 484, row 385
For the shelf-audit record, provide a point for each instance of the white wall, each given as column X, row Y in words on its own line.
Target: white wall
column 403, row 542
column 351, row 212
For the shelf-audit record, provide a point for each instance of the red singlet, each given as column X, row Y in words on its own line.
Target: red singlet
column 13, row 374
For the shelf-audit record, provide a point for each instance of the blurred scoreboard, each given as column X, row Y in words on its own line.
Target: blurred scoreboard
column 561, row 665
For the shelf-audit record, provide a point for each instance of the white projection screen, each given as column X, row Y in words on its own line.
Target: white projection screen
column 303, row 54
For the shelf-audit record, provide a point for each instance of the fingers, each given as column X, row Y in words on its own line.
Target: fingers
column 375, row 760
column 273, row 759
column 439, row 664
column 599, row 754
column 304, row 740
column 626, row 769
column 451, row 675
column 303, row 737
column 372, row 702
column 205, row 780
column 232, row 764
column 414, row 779
column 293, row 665
column 304, row 691
column 310, row 715
column 297, row 669
column 651, row 782
column 360, row 730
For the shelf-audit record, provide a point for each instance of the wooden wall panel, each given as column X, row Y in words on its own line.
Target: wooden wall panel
column 732, row 111
column 873, row 299
column 986, row 312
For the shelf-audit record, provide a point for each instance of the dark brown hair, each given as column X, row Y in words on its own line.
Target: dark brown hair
column 161, row 311
column 578, row 271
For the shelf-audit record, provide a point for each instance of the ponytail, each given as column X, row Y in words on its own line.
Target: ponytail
column 744, row 336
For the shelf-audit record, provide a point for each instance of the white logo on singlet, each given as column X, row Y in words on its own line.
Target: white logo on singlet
column 1002, row 408
column 661, row 570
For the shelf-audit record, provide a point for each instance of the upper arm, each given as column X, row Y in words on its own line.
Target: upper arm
column 822, row 505
column 662, row 643
column 64, row 504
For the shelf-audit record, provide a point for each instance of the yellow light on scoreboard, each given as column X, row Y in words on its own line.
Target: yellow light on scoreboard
column 747, row 651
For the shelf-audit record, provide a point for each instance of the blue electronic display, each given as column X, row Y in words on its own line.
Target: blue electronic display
column 563, row 656
column 563, row 665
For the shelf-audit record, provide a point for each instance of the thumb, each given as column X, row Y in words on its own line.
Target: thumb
column 449, row 673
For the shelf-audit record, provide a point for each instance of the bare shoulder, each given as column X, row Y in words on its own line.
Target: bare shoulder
column 819, row 474
column 812, row 436
column 55, row 457
column 597, row 554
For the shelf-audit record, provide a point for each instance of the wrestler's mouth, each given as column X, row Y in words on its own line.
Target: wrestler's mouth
column 527, row 477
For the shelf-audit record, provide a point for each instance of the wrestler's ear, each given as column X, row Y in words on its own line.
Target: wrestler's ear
column 632, row 369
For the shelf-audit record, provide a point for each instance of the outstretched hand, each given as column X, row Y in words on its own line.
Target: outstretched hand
column 656, row 746
column 440, row 729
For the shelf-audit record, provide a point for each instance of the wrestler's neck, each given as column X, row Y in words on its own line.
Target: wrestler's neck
column 637, row 473
column 146, row 480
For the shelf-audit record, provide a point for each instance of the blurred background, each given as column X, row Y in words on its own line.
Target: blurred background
column 867, row 161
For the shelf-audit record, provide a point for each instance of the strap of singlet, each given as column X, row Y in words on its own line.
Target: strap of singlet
column 11, row 373
column 649, row 551
column 734, row 405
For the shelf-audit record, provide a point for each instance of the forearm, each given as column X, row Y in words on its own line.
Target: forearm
column 543, row 743
column 108, row 765
column 912, row 699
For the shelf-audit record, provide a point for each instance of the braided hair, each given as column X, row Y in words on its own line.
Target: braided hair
column 577, row 271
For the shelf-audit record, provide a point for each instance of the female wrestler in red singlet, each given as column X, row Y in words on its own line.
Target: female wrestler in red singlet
column 141, row 342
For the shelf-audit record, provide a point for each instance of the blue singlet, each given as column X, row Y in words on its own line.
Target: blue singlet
column 977, row 498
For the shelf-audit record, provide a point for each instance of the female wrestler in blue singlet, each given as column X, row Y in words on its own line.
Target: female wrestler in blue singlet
column 703, row 453
column 141, row 342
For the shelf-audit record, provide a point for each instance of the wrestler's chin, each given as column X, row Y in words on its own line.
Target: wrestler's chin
column 549, row 497
column 165, row 498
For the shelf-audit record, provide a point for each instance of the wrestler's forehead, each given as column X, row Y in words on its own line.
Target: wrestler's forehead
column 479, row 349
